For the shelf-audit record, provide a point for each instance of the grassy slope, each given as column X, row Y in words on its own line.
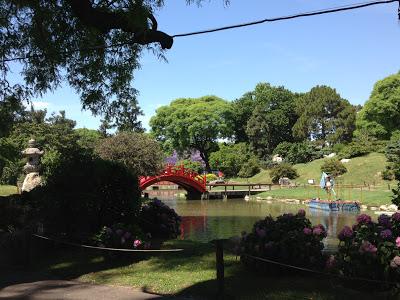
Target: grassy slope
column 366, row 169
column 359, row 170
column 6, row 190
column 189, row 273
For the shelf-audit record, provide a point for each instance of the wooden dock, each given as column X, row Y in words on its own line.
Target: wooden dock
column 235, row 190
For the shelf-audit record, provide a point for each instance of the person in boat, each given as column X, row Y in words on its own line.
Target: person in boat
column 327, row 184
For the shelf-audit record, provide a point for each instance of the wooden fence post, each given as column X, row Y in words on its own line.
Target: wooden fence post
column 219, row 256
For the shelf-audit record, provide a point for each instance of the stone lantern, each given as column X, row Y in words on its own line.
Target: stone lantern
column 32, row 167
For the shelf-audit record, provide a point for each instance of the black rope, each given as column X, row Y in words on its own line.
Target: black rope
column 301, row 15
column 104, row 248
column 319, row 272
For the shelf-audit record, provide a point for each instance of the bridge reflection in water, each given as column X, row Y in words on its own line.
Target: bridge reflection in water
column 205, row 220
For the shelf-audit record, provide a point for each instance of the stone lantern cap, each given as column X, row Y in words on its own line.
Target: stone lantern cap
column 32, row 150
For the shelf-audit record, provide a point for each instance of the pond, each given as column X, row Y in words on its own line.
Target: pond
column 205, row 220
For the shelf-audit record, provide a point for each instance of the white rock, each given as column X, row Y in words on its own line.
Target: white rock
column 392, row 207
column 383, row 207
column 330, row 155
column 373, row 208
column 269, row 198
column 345, row 160
column 246, row 198
column 364, row 207
column 31, row 181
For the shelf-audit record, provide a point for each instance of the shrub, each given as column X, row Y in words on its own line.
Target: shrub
column 141, row 154
column 232, row 159
column 11, row 172
column 85, row 194
column 122, row 236
column 297, row 152
column 159, row 220
column 283, row 170
column 333, row 167
column 195, row 166
column 370, row 250
column 289, row 239
column 211, row 177
column 249, row 168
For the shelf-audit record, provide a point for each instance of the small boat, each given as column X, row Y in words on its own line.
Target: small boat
column 327, row 183
column 336, row 205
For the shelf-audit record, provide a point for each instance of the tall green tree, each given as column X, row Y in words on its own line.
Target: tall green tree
column 272, row 119
column 380, row 115
column 324, row 116
column 11, row 112
column 242, row 109
column 93, row 45
column 138, row 152
column 189, row 124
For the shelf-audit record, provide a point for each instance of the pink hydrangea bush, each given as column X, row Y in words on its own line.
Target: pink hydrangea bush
column 289, row 239
column 122, row 236
column 370, row 249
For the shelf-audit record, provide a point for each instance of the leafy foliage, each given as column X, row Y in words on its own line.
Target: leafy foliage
column 272, row 119
column 370, row 250
column 83, row 195
column 380, row 115
column 295, row 153
column 193, row 124
column 283, row 170
column 137, row 151
column 324, row 116
column 289, row 239
column 333, row 167
column 233, row 159
column 160, row 220
column 195, row 166
column 242, row 109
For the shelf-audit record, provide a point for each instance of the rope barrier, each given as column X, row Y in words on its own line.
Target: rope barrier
column 104, row 248
column 319, row 272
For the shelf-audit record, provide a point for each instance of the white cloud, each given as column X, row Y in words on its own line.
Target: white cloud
column 40, row 104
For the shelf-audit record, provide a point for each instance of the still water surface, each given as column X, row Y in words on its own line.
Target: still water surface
column 205, row 220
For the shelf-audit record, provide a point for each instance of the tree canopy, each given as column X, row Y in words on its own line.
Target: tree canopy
column 193, row 124
column 380, row 115
column 272, row 120
column 94, row 45
column 324, row 116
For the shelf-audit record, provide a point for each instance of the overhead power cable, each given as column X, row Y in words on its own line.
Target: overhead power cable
column 300, row 15
column 332, row 10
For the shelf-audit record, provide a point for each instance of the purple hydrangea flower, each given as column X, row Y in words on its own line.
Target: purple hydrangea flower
column 384, row 220
column 363, row 219
column 346, row 232
column 317, row 231
column 386, row 234
column 367, row 247
column 307, row 231
column 301, row 213
column 396, row 216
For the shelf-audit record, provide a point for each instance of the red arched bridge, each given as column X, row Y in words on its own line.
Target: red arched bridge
column 192, row 182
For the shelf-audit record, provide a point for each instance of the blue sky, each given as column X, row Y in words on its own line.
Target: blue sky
column 349, row 51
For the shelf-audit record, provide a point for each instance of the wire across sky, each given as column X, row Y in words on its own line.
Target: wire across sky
column 325, row 11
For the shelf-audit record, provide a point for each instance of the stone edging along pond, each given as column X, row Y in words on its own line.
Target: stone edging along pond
column 382, row 209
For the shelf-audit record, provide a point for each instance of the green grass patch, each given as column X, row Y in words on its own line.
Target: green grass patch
column 6, row 190
column 188, row 273
column 373, row 197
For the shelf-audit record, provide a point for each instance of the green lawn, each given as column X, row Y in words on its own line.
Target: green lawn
column 362, row 171
column 366, row 169
column 373, row 197
column 189, row 273
column 6, row 190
